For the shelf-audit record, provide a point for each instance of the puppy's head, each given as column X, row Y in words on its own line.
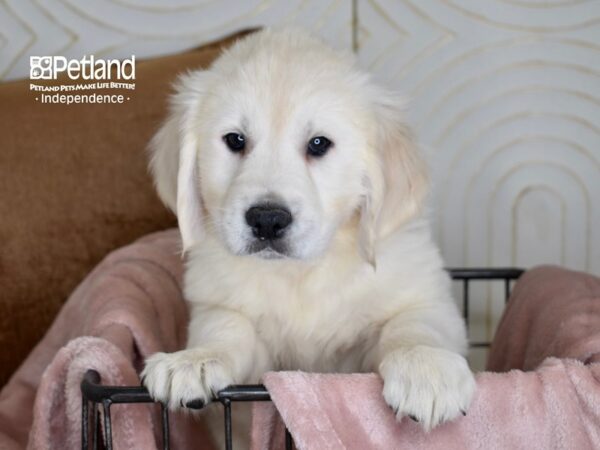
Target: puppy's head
column 278, row 145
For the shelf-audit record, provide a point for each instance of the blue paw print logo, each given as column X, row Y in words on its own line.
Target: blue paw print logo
column 40, row 67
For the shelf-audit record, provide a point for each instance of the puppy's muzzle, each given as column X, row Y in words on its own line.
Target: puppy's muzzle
column 268, row 221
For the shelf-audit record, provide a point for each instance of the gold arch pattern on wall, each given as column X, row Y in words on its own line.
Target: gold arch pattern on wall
column 119, row 28
column 505, row 98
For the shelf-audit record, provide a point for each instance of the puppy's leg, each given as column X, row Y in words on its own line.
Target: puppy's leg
column 425, row 376
column 222, row 349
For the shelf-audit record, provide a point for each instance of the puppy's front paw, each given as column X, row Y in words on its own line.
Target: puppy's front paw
column 189, row 378
column 430, row 385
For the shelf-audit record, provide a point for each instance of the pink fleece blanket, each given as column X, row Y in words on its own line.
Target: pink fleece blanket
column 127, row 308
column 131, row 306
column 548, row 339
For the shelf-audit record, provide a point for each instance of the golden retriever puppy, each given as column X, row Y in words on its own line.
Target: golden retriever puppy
column 298, row 191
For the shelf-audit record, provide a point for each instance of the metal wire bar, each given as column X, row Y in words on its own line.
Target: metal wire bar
column 92, row 390
column 500, row 273
column 165, row 425
column 85, row 422
column 107, row 425
column 96, row 421
column 479, row 344
column 244, row 393
column 466, row 302
column 228, row 433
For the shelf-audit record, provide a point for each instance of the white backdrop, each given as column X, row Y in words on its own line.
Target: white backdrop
column 504, row 95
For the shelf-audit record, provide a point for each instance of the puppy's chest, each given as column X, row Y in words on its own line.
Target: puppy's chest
column 304, row 326
column 319, row 331
column 331, row 346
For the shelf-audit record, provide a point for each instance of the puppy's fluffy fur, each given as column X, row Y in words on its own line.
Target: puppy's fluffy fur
column 359, row 286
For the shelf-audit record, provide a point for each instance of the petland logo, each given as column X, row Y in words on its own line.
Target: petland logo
column 87, row 68
column 96, row 73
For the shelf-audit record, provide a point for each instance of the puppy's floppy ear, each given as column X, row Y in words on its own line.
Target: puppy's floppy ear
column 173, row 160
column 397, row 179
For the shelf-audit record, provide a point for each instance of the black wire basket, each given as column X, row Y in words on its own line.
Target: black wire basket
column 96, row 430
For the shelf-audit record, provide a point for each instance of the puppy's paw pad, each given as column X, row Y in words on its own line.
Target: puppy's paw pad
column 429, row 385
column 197, row 403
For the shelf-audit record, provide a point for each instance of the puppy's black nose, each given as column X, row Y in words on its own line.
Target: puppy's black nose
column 268, row 221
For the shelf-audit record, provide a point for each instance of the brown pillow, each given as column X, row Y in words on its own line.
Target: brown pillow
column 73, row 186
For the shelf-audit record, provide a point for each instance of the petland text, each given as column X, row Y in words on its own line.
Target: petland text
column 86, row 68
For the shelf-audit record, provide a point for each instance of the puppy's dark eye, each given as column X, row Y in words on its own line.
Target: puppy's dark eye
column 235, row 141
column 318, row 146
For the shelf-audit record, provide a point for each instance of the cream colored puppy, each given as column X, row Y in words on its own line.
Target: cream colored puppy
column 298, row 191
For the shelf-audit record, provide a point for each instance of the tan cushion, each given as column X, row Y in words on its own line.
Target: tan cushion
column 73, row 186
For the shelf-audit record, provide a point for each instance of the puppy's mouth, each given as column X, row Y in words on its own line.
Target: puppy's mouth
column 268, row 249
